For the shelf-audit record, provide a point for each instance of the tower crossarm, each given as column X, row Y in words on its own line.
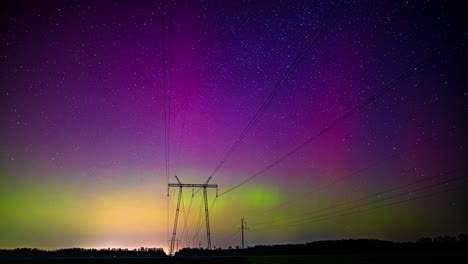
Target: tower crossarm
column 192, row 185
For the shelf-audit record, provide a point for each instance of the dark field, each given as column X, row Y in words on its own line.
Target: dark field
column 449, row 257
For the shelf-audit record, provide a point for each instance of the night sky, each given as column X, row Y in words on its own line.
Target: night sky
column 82, row 121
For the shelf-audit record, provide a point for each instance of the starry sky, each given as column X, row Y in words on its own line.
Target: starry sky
column 82, row 121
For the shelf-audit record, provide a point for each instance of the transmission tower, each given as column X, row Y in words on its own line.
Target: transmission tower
column 181, row 185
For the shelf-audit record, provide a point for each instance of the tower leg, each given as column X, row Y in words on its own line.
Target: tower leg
column 171, row 250
column 208, row 234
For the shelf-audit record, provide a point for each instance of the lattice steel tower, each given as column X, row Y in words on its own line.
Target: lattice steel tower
column 181, row 185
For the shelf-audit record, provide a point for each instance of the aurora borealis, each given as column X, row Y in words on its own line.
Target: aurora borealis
column 82, row 121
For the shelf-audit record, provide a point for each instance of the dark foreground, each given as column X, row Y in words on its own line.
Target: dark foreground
column 426, row 250
column 427, row 257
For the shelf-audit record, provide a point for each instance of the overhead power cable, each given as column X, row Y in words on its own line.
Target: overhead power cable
column 167, row 96
column 431, row 194
column 357, row 172
column 344, row 117
column 320, row 30
column 165, row 116
column 316, row 215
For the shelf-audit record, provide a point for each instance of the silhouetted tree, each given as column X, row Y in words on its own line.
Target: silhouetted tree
column 463, row 238
column 425, row 240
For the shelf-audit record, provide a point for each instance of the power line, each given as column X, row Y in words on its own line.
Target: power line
column 372, row 208
column 372, row 98
column 165, row 115
column 185, row 218
column 185, row 229
column 317, row 216
column 167, row 101
column 360, row 171
column 373, row 195
column 164, row 90
column 200, row 222
column 198, row 225
column 320, row 30
column 169, row 88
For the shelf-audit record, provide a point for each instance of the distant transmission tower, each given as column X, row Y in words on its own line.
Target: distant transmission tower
column 181, row 185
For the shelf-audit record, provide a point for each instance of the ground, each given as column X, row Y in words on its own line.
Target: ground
column 298, row 259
